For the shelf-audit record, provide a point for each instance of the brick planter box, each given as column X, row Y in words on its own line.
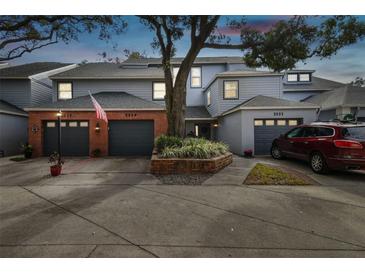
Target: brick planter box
column 162, row 166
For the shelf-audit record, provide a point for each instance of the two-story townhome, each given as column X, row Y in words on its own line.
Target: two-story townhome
column 226, row 101
column 20, row 87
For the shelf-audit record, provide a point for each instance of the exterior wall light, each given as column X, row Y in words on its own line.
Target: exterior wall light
column 97, row 127
column 215, row 125
column 59, row 113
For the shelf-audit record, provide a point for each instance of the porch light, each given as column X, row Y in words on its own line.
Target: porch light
column 215, row 125
column 97, row 127
column 59, row 113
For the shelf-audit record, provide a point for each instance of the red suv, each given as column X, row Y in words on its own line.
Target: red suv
column 326, row 146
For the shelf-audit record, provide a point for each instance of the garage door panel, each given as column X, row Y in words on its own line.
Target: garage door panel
column 264, row 135
column 131, row 138
column 74, row 140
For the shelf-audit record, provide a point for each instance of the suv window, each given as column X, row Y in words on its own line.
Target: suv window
column 354, row 132
column 324, row 131
column 309, row 132
column 297, row 132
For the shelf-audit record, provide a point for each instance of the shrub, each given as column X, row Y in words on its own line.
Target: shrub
column 164, row 141
column 194, row 148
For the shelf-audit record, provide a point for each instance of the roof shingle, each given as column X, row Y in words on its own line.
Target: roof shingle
column 26, row 70
column 8, row 108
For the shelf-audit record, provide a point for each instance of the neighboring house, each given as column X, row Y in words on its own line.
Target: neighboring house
column 338, row 103
column 299, row 85
column 13, row 129
column 21, row 87
column 226, row 101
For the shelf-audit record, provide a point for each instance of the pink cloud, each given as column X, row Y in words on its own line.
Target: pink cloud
column 261, row 26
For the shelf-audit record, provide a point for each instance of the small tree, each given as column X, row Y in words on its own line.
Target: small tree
column 280, row 48
column 25, row 33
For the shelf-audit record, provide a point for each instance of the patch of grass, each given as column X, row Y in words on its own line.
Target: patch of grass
column 18, row 159
column 268, row 175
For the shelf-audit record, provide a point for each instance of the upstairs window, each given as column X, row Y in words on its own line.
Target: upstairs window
column 64, row 91
column 208, row 98
column 175, row 71
column 304, row 77
column 158, row 91
column 196, row 77
column 293, row 77
column 230, row 89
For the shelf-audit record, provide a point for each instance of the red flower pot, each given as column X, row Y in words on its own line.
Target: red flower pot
column 56, row 170
column 247, row 153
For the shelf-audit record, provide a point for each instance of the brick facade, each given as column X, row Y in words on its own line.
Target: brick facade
column 161, row 166
column 96, row 140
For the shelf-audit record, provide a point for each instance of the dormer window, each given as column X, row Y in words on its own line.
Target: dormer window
column 292, row 77
column 304, row 77
column 64, row 90
column 299, row 77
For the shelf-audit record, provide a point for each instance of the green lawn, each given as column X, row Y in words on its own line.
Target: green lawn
column 268, row 175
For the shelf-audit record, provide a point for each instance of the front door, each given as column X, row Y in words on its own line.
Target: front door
column 202, row 130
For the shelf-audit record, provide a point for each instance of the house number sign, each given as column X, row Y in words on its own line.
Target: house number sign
column 278, row 114
column 130, row 115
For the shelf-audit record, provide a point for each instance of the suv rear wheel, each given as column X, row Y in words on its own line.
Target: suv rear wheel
column 276, row 152
column 318, row 163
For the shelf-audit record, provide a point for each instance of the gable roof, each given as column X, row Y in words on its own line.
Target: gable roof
column 8, row 108
column 26, row 70
column 107, row 100
column 317, row 84
column 346, row 96
column 262, row 102
column 178, row 60
column 197, row 112
column 109, row 71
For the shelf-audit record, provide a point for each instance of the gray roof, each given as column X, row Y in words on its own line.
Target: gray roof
column 107, row 100
column 317, row 84
column 266, row 102
column 198, row 60
column 109, row 71
column 346, row 96
column 8, row 108
column 198, row 112
column 24, row 71
column 247, row 73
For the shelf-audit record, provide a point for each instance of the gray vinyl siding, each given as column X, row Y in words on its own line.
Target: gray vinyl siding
column 361, row 113
column 230, row 131
column 213, row 108
column 138, row 87
column 16, row 92
column 15, row 128
column 249, row 87
column 41, row 92
column 195, row 95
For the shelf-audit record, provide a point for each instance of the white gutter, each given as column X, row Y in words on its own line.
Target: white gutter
column 268, row 108
column 92, row 109
column 13, row 113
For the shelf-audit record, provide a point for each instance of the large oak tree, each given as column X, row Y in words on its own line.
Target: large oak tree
column 21, row 34
column 280, row 48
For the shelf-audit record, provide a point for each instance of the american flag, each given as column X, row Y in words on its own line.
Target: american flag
column 100, row 113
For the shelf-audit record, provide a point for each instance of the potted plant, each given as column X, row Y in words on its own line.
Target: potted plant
column 27, row 150
column 56, row 164
column 248, row 153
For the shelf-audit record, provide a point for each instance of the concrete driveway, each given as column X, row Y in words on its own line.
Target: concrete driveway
column 112, row 207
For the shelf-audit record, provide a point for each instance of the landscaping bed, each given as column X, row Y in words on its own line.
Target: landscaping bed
column 173, row 155
column 263, row 174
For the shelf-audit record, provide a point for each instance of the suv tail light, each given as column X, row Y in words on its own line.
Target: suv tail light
column 347, row 144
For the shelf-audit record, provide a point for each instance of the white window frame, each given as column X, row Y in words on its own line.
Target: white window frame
column 302, row 74
column 293, row 74
column 209, row 99
column 154, row 98
column 192, row 76
column 224, row 90
column 59, row 92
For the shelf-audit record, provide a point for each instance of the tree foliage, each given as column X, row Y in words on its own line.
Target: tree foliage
column 358, row 82
column 25, row 33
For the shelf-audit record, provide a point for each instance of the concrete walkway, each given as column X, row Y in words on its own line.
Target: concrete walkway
column 112, row 207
